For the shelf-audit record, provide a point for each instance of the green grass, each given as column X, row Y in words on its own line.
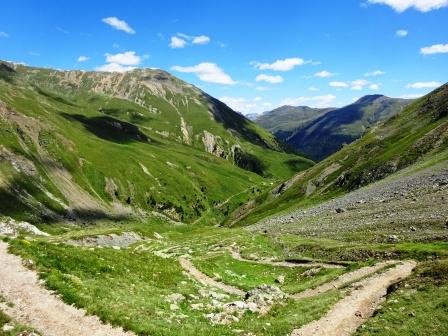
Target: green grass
column 247, row 275
column 129, row 288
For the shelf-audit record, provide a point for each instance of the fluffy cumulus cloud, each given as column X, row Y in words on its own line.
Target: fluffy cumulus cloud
column 207, row 72
column 374, row 73
column 315, row 101
column 269, row 79
column 401, row 33
column 435, row 49
column 118, row 24
column 181, row 40
column 126, row 58
column 420, row 5
column 286, row 64
column 359, row 84
column 245, row 106
column 423, row 85
column 177, row 42
column 121, row 62
column 338, row 84
column 374, row 87
column 313, row 88
column 323, row 74
column 83, row 58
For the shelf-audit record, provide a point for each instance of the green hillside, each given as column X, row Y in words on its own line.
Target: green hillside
column 414, row 135
column 318, row 133
column 286, row 119
column 90, row 145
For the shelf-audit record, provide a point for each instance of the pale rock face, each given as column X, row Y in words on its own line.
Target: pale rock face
column 211, row 144
column 10, row 227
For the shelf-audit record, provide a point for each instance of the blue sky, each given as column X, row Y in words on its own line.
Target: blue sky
column 254, row 55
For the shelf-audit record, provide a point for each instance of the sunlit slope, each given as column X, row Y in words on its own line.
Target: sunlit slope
column 415, row 135
column 92, row 145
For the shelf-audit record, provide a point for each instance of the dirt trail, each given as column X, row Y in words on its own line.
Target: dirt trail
column 349, row 313
column 188, row 266
column 37, row 307
column 237, row 255
column 343, row 280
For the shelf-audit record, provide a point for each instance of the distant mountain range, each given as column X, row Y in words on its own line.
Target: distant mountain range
column 319, row 133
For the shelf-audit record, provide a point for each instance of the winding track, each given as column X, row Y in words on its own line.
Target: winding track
column 188, row 266
column 349, row 313
column 39, row 308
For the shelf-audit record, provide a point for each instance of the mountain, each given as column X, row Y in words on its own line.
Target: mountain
column 79, row 144
column 319, row 133
column 416, row 136
column 283, row 120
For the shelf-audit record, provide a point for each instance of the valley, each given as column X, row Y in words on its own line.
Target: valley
column 136, row 204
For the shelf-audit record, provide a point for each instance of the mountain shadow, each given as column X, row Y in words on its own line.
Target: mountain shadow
column 109, row 128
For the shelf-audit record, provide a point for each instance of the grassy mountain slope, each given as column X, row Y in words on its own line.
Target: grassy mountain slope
column 326, row 134
column 418, row 134
column 283, row 120
column 92, row 145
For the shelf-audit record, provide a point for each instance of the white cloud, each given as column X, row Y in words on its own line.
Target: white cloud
column 245, row 106
column 338, row 84
column 401, row 33
column 83, row 58
column 207, row 72
column 314, row 89
column 374, row 87
column 316, row 101
column 177, row 42
column 3, row 34
column 421, row 5
column 120, row 62
column 412, row 96
column 262, row 88
column 118, row 24
column 126, row 58
column 359, row 84
column 435, row 49
column 280, row 65
column 323, row 74
column 114, row 67
column 202, row 39
column 374, row 73
column 269, row 79
column 181, row 40
column 423, row 85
